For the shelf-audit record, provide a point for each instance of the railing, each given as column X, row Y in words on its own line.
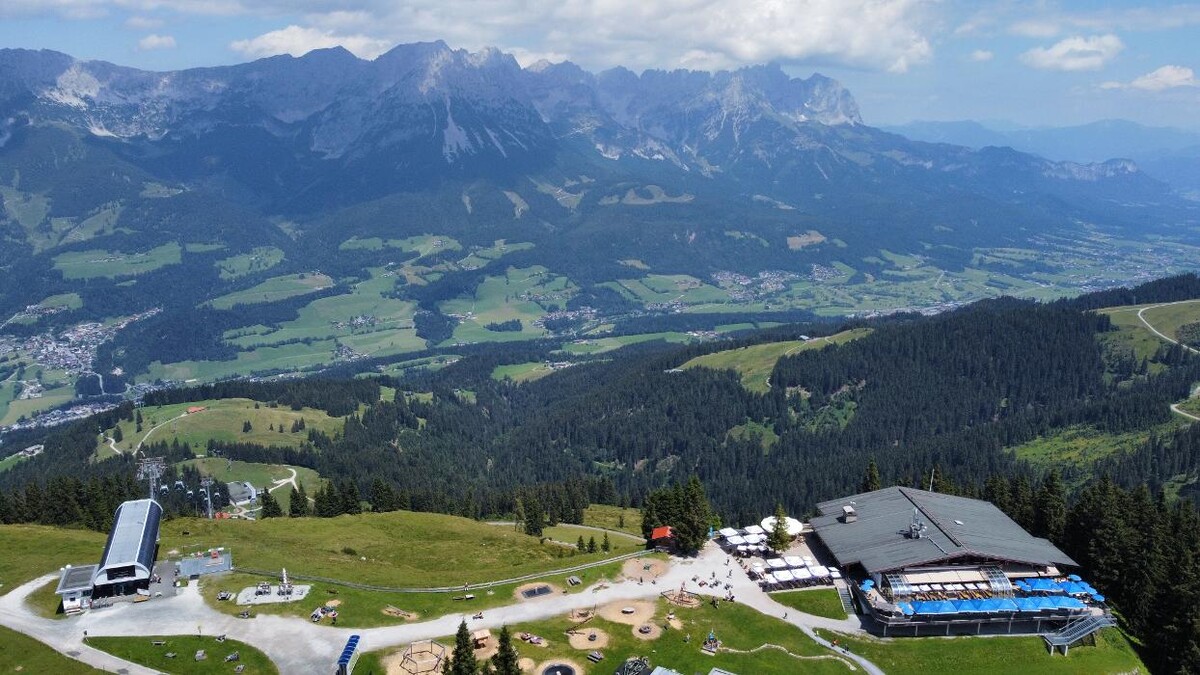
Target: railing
column 1077, row 630
column 444, row 589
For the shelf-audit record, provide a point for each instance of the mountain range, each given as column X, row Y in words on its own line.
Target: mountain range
column 197, row 192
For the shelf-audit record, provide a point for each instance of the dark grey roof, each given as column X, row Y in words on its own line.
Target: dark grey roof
column 75, row 579
column 132, row 540
column 957, row 527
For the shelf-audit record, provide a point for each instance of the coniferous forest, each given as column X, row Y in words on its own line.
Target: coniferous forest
column 919, row 400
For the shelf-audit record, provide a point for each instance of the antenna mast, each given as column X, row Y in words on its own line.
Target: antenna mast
column 151, row 469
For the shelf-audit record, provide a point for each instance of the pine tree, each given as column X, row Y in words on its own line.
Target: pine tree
column 505, row 660
column 270, row 507
column 535, row 518
column 463, row 657
column 606, row 545
column 870, row 481
column 383, row 498
column 591, row 545
column 117, row 434
column 1051, row 511
column 519, row 514
column 582, row 547
column 351, row 499
column 779, row 540
column 298, row 505
column 247, row 427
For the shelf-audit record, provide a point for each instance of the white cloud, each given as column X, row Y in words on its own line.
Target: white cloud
column 981, row 55
column 1167, row 77
column 143, row 23
column 153, row 41
column 875, row 34
column 297, row 40
column 1075, row 53
column 1035, row 28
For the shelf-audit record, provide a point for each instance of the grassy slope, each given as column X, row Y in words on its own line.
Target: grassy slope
column 100, row 263
column 30, row 551
column 365, row 609
column 22, row 654
column 259, row 475
column 1168, row 318
column 401, row 548
column 1083, row 445
column 821, row 602
column 610, row 518
column 141, row 650
column 1113, row 653
column 222, row 420
column 756, row 362
column 274, row 289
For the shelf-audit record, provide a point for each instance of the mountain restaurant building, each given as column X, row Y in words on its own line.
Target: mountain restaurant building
column 927, row 563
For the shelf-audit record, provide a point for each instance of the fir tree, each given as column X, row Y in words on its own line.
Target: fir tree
column 870, row 481
column 270, row 507
column 505, row 660
column 534, row 516
column 1051, row 511
column 606, row 545
column 591, row 545
column 582, row 547
column 779, row 540
column 463, row 658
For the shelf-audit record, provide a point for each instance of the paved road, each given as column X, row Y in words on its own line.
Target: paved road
column 299, row 646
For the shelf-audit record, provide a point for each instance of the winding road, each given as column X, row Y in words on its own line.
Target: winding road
column 296, row 645
column 1142, row 317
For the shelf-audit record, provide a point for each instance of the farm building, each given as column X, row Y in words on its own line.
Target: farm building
column 929, row 562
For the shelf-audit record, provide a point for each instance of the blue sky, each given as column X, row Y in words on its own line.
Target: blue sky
column 1030, row 63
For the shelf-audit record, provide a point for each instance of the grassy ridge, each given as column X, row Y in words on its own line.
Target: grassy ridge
column 274, row 290
column 141, row 650
column 1113, row 653
column 222, row 420
column 612, row 517
column 22, row 654
column 402, row 549
column 755, row 363
column 30, row 551
column 111, row 264
column 1168, row 318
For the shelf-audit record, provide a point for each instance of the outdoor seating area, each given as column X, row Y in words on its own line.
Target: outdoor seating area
column 744, row 542
column 793, row 572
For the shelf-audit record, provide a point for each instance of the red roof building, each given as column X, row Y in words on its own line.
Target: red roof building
column 664, row 532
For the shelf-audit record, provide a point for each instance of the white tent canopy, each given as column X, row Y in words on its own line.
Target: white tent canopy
column 793, row 561
column 776, row 563
column 793, row 526
column 727, row 532
column 735, row 540
column 754, row 529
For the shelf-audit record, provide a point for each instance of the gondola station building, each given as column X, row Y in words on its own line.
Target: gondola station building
column 924, row 563
column 127, row 563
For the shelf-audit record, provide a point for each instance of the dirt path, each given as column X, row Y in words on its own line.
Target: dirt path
column 156, row 427
column 291, row 480
column 1141, row 317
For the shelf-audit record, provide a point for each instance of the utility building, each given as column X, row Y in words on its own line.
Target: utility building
column 128, row 560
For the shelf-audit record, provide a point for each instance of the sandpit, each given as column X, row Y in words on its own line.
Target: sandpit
column 521, row 590
column 643, row 611
column 652, row 631
column 675, row 623
column 549, row 665
column 581, row 639
column 526, row 665
column 643, row 568
column 489, row 648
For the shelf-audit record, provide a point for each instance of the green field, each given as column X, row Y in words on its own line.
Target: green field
column 423, row 245
column 22, row 654
column 275, row 289
column 1113, row 654
column 33, row 550
column 482, row 256
column 614, row 518
column 221, row 420
column 58, row 389
column 607, row 344
column 666, row 288
column 750, row 429
column 1081, row 446
column 365, row 609
column 819, row 601
column 260, row 259
column 142, row 650
column 755, row 363
column 620, row 542
column 522, row 372
column 525, row 294
column 100, row 263
column 365, row 320
column 437, row 550
column 45, row 602
column 259, row 475
column 1131, row 334
column 739, row 628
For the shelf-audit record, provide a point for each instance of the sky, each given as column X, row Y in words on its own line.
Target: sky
column 1034, row 63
